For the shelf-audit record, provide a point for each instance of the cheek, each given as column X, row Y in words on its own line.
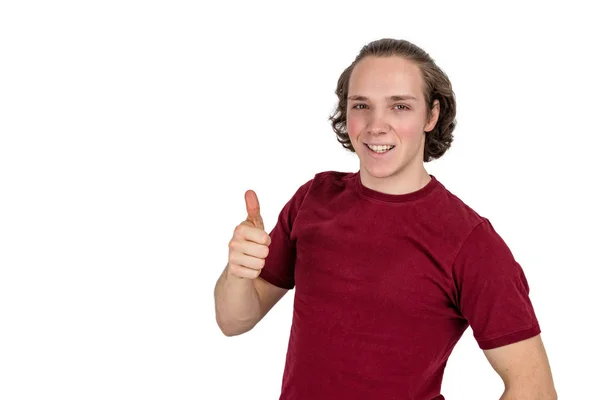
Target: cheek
column 408, row 131
column 353, row 125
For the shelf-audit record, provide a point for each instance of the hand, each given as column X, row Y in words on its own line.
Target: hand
column 249, row 246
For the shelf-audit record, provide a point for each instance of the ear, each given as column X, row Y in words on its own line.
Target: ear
column 435, row 113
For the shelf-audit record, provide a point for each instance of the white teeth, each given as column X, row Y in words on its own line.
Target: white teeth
column 380, row 149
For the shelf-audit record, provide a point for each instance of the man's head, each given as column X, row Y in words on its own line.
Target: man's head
column 393, row 93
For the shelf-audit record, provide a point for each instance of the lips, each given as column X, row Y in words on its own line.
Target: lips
column 376, row 154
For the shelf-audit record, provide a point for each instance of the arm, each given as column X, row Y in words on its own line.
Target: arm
column 493, row 295
column 524, row 369
column 241, row 303
column 242, row 298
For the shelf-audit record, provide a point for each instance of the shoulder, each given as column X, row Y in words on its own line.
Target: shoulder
column 459, row 229
column 334, row 177
column 453, row 214
column 326, row 183
column 315, row 187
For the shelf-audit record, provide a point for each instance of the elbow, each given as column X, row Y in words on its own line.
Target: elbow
column 229, row 332
column 233, row 332
column 549, row 394
column 226, row 329
column 232, row 329
column 552, row 395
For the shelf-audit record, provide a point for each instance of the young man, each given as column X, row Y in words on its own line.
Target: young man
column 390, row 268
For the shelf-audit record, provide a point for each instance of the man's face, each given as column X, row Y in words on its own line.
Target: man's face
column 386, row 105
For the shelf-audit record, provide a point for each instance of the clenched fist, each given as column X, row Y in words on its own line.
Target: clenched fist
column 249, row 246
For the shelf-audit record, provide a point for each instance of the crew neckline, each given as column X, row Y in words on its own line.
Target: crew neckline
column 394, row 198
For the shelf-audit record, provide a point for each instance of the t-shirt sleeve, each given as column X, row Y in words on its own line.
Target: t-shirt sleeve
column 280, row 262
column 493, row 292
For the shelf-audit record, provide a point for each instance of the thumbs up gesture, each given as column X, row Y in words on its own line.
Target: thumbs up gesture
column 249, row 246
column 253, row 210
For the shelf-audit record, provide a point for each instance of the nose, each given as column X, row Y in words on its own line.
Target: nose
column 377, row 124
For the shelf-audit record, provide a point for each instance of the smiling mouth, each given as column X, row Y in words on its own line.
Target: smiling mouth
column 379, row 149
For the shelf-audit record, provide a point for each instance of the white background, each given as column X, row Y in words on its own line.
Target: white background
column 131, row 130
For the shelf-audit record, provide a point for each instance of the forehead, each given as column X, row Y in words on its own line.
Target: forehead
column 385, row 76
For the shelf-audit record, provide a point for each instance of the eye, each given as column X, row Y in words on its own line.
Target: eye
column 359, row 106
column 403, row 107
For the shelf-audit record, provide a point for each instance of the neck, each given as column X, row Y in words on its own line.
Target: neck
column 402, row 182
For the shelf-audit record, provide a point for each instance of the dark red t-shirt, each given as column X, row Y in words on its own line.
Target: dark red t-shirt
column 385, row 287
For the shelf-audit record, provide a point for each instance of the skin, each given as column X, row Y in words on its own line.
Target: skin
column 374, row 117
column 524, row 369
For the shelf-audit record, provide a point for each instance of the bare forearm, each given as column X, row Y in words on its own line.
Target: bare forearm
column 237, row 304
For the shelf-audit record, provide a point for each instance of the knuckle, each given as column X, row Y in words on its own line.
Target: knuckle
column 234, row 269
column 234, row 260
column 239, row 271
column 239, row 230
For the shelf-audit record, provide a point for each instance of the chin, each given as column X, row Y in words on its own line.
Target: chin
column 383, row 172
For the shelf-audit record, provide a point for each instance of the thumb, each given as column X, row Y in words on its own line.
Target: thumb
column 253, row 209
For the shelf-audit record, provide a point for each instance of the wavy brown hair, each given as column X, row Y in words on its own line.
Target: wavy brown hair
column 437, row 86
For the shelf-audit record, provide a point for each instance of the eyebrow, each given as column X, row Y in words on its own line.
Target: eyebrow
column 398, row 97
